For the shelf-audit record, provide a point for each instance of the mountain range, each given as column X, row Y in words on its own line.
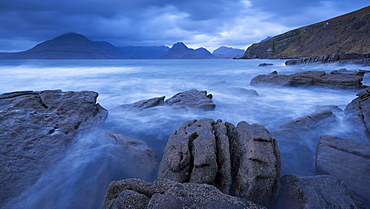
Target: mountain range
column 349, row 33
column 77, row 46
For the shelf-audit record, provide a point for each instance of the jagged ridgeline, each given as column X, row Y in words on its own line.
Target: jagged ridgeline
column 348, row 33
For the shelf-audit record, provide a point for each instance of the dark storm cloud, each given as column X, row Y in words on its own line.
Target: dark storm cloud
column 209, row 23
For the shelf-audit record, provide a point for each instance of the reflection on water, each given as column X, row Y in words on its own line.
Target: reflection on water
column 127, row 81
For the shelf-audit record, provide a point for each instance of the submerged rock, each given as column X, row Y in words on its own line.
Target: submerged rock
column 192, row 99
column 316, row 192
column 311, row 78
column 346, row 159
column 242, row 160
column 136, row 193
column 36, row 128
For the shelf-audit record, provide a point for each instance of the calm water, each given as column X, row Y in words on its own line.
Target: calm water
column 127, row 81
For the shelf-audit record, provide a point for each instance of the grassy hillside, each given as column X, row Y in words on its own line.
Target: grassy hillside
column 349, row 33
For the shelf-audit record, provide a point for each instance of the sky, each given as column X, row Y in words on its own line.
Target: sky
column 197, row 23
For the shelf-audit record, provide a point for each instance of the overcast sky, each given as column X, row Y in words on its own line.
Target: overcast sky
column 197, row 23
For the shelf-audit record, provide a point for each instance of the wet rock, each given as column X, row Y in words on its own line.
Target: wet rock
column 135, row 193
column 265, row 64
column 244, row 91
column 35, row 130
column 346, row 159
column 316, row 192
column 358, row 116
column 192, row 99
column 311, row 78
column 242, row 160
column 141, row 160
column 144, row 104
column 324, row 119
column 292, row 161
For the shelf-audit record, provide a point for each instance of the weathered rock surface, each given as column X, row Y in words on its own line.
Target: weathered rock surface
column 346, row 159
column 358, row 116
column 144, row 104
column 316, row 192
column 192, row 99
column 136, row 193
column 311, row 78
column 36, row 127
column 242, row 160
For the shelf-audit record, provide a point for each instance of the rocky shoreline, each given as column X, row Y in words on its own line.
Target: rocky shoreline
column 345, row 58
column 206, row 163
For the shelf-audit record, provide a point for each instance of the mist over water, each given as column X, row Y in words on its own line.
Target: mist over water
column 91, row 163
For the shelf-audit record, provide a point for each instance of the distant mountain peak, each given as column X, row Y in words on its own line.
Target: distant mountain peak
column 180, row 51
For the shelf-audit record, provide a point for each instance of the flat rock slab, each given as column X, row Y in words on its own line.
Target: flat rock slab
column 316, row 192
column 36, row 128
column 346, row 159
column 311, row 78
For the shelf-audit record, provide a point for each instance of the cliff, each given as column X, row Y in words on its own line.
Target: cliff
column 348, row 33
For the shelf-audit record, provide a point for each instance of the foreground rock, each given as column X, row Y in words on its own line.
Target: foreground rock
column 136, row 193
column 242, row 160
column 346, row 159
column 36, row 127
column 316, row 192
column 311, row 78
column 358, row 116
column 192, row 99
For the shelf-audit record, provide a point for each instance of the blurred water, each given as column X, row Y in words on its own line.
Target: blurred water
column 127, row 81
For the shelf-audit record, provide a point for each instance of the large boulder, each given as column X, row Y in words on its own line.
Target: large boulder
column 242, row 160
column 358, row 116
column 192, row 99
column 346, row 159
column 311, row 78
column 316, row 192
column 136, row 193
column 36, row 128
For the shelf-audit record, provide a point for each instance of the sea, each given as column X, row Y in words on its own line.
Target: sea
column 75, row 181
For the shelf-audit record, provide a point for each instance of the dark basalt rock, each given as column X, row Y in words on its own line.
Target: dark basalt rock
column 311, row 78
column 346, row 159
column 316, row 192
column 192, row 99
column 242, row 160
column 136, row 193
column 36, row 128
